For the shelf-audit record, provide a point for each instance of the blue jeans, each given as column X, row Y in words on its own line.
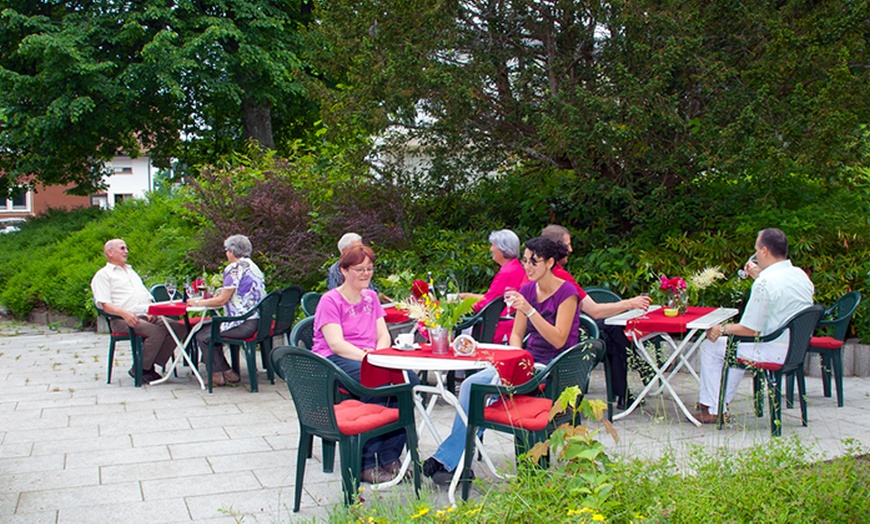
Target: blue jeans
column 387, row 448
column 450, row 450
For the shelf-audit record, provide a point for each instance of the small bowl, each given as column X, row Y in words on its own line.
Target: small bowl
column 670, row 312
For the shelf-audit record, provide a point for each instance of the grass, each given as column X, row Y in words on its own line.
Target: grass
column 776, row 482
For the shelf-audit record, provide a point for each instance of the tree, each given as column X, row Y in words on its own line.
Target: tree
column 192, row 79
column 636, row 95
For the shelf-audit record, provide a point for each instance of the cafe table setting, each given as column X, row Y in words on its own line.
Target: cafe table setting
column 387, row 365
column 641, row 326
column 177, row 308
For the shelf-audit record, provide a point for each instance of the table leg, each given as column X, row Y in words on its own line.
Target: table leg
column 184, row 356
column 659, row 374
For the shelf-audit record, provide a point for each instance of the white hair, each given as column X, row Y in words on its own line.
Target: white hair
column 347, row 240
column 507, row 242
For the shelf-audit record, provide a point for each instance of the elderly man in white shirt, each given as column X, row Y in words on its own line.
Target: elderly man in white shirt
column 778, row 293
column 118, row 290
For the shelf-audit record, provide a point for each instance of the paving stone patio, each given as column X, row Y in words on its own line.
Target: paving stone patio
column 74, row 449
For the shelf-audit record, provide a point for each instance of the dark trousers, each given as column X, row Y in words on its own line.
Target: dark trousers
column 158, row 345
column 203, row 339
column 617, row 355
column 387, row 448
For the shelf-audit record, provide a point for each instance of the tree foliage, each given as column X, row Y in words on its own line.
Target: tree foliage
column 633, row 95
column 192, row 79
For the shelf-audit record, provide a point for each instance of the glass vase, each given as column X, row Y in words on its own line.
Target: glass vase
column 678, row 301
column 439, row 337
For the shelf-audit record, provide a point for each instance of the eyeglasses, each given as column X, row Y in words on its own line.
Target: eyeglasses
column 530, row 261
column 362, row 270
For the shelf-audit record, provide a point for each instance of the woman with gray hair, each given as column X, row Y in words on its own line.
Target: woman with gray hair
column 505, row 248
column 244, row 287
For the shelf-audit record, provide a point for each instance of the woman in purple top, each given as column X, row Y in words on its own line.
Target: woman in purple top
column 348, row 323
column 244, row 288
column 549, row 305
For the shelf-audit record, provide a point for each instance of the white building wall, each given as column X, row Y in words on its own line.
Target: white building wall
column 131, row 178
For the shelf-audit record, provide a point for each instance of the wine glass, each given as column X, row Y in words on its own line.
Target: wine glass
column 508, row 301
column 742, row 273
column 644, row 294
column 442, row 286
column 170, row 286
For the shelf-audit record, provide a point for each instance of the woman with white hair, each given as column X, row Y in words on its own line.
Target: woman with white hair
column 244, row 287
column 505, row 248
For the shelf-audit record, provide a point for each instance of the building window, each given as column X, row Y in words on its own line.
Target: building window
column 101, row 201
column 120, row 197
column 122, row 170
column 17, row 201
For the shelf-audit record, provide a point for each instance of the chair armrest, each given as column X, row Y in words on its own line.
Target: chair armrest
column 217, row 321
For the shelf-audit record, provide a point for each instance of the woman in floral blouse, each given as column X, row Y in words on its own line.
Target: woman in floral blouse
column 244, row 287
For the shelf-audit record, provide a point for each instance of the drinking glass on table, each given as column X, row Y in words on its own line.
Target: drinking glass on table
column 170, row 289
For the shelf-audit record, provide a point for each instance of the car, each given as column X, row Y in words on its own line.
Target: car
column 11, row 225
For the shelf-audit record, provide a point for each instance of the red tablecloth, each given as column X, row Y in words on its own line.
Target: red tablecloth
column 395, row 315
column 515, row 366
column 657, row 322
column 175, row 309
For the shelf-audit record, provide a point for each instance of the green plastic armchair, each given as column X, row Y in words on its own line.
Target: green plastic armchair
column 135, row 347
column 313, row 383
column 309, row 302
column 768, row 375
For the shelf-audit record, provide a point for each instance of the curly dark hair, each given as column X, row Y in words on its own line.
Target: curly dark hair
column 543, row 248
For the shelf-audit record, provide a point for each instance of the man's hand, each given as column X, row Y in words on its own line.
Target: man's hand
column 752, row 269
column 639, row 302
column 129, row 318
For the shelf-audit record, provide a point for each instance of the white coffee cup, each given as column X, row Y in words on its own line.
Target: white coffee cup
column 404, row 340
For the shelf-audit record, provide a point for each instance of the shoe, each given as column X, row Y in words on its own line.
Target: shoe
column 395, row 467
column 705, row 417
column 232, row 377
column 150, row 375
column 432, row 466
column 376, row 475
column 624, row 402
column 217, row 379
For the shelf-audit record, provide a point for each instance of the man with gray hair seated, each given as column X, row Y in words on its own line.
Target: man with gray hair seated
column 334, row 278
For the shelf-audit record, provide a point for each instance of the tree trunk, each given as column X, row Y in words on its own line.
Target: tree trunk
column 258, row 122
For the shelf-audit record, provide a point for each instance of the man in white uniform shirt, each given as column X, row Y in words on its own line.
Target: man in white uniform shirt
column 778, row 293
column 119, row 291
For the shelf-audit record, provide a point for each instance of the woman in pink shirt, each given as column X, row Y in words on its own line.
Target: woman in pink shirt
column 348, row 323
column 505, row 248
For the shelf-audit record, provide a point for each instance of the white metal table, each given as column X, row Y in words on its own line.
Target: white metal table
column 438, row 367
column 164, row 310
column 694, row 334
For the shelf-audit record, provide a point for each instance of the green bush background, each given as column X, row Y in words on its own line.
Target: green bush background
column 620, row 244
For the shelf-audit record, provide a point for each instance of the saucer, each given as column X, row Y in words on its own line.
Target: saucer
column 407, row 348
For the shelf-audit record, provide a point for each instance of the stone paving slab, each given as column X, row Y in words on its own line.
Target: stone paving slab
column 74, row 449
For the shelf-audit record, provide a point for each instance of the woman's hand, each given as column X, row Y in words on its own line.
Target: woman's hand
column 639, row 302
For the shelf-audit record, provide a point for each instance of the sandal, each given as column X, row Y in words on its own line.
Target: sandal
column 217, row 378
column 231, row 376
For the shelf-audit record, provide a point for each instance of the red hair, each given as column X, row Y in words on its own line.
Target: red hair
column 355, row 255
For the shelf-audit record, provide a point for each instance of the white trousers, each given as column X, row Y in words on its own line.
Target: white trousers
column 713, row 357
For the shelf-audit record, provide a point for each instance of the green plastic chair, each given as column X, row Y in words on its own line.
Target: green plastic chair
column 830, row 348
column 768, row 375
column 521, row 411
column 266, row 309
column 135, row 347
column 160, row 295
column 483, row 323
column 313, row 383
column 302, row 334
column 589, row 330
column 309, row 302
column 291, row 298
column 602, row 295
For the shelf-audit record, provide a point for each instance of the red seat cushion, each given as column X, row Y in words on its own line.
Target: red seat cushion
column 523, row 411
column 194, row 320
column 825, row 343
column 767, row 366
column 272, row 329
column 355, row 417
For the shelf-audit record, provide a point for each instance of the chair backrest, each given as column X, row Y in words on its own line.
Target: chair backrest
column 267, row 308
column 303, row 333
column 573, row 366
column 311, row 380
column 844, row 308
column 588, row 327
column 601, row 295
column 484, row 323
column 159, row 293
column 309, row 302
column 800, row 330
column 291, row 296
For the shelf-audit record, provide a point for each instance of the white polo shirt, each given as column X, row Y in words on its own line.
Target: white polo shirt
column 780, row 292
column 121, row 287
